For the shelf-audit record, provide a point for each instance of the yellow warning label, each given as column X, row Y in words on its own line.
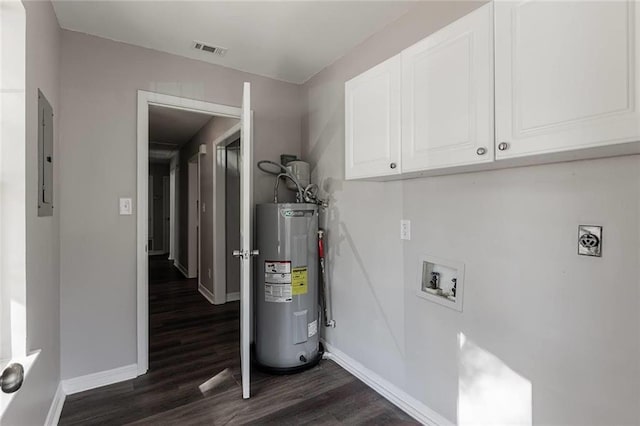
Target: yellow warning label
column 299, row 281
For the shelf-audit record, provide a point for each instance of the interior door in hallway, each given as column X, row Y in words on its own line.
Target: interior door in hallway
column 166, row 213
column 246, row 252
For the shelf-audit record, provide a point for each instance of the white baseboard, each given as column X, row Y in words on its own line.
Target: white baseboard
column 157, row 252
column 102, row 378
column 56, row 407
column 232, row 297
column 181, row 269
column 395, row 395
column 206, row 293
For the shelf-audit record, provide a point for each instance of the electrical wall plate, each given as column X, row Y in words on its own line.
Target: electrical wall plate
column 590, row 240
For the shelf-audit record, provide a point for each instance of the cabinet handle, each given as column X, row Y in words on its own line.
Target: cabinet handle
column 503, row 146
column 392, row 165
column 481, row 151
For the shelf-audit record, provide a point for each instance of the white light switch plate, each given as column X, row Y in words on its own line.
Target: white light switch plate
column 125, row 206
column 405, row 229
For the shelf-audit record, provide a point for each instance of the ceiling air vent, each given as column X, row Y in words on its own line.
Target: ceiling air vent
column 216, row 50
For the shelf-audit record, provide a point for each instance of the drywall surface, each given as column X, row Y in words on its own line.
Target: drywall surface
column 545, row 335
column 99, row 83
column 32, row 403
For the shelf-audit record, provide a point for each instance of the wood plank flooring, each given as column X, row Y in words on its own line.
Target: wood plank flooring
column 191, row 340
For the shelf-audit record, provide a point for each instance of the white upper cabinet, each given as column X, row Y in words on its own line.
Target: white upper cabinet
column 447, row 96
column 372, row 106
column 567, row 75
column 512, row 83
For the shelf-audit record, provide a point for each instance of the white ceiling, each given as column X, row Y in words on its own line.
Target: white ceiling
column 285, row 40
column 170, row 128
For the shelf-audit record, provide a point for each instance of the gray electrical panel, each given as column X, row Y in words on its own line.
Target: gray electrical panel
column 45, row 156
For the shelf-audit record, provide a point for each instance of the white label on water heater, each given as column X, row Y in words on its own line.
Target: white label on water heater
column 278, row 293
column 277, row 267
column 277, row 278
column 312, row 328
column 277, row 281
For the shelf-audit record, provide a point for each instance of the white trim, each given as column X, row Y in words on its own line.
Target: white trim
column 246, row 240
column 193, row 272
column 206, row 293
column 15, row 194
column 56, row 407
column 150, row 212
column 142, row 281
column 181, row 268
column 172, row 209
column 166, row 212
column 232, row 133
column 395, row 395
column 232, row 297
column 219, row 236
column 99, row 379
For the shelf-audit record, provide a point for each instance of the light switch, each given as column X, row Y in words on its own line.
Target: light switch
column 125, row 206
column 405, row 229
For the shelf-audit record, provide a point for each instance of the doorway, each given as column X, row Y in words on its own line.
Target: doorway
column 192, row 177
column 232, row 218
column 227, row 216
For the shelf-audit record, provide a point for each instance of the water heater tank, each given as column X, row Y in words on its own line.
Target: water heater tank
column 286, row 290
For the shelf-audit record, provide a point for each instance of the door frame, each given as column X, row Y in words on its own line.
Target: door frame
column 193, row 259
column 174, row 172
column 150, row 213
column 146, row 98
column 166, row 213
column 220, row 214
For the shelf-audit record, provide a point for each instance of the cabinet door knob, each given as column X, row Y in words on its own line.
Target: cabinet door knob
column 481, row 151
column 503, row 146
column 392, row 165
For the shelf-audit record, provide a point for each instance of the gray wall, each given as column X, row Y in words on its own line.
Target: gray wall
column 158, row 171
column 99, row 79
column 536, row 315
column 32, row 403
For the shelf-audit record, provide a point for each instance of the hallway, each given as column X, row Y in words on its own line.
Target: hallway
column 191, row 340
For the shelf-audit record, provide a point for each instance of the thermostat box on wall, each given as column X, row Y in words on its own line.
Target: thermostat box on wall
column 441, row 281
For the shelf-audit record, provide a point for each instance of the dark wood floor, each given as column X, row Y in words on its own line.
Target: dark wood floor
column 191, row 340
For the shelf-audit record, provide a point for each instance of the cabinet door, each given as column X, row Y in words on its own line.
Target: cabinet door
column 372, row 103
column 447, row 99
column 567, row 75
